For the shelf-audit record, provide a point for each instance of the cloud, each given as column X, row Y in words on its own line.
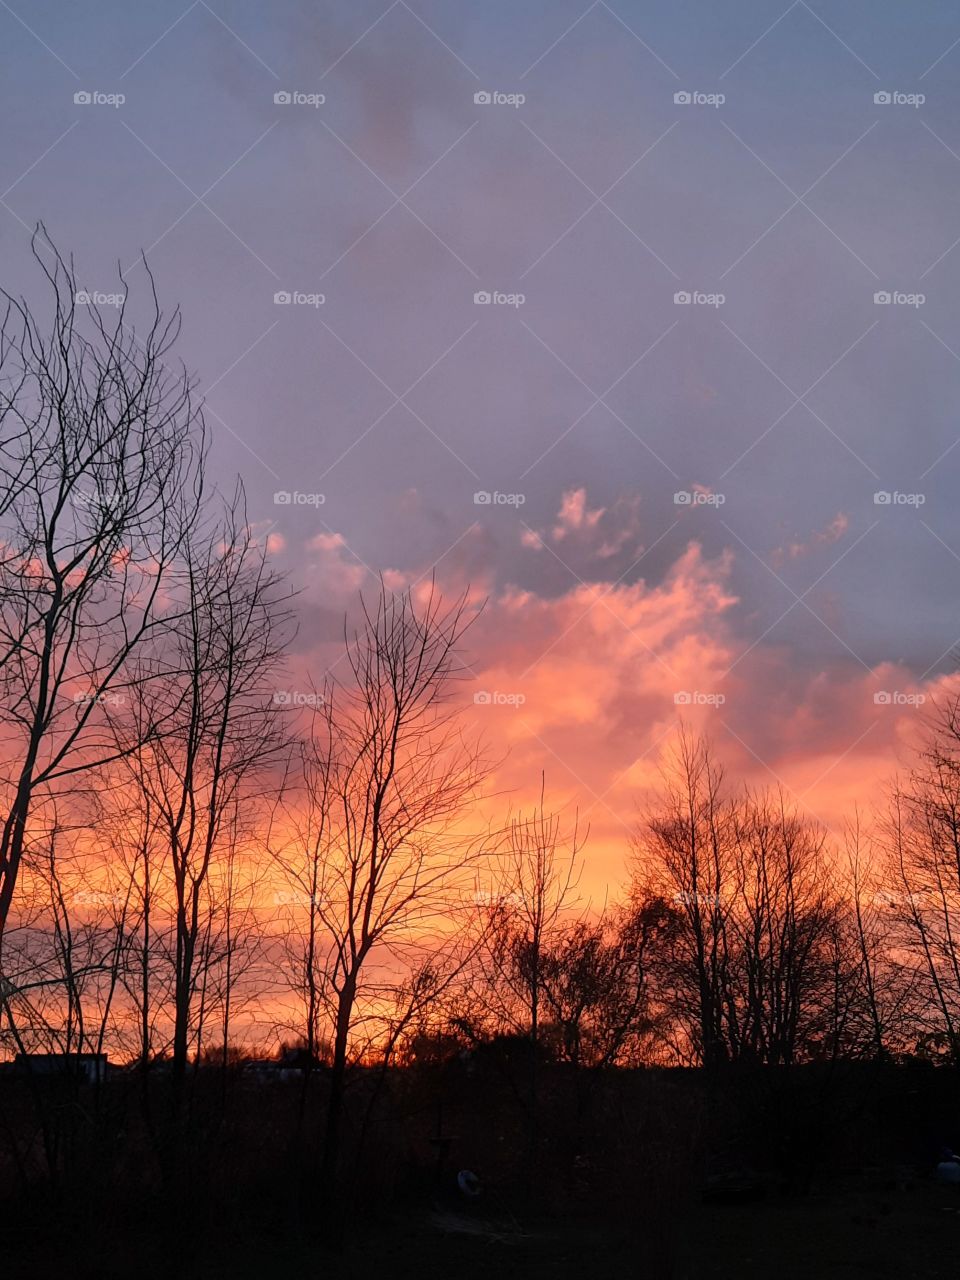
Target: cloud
column 590, row 534
column 589, row 684
column 832, row 532
column 574, row 514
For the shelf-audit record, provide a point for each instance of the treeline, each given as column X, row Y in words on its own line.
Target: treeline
column 187, row 861
column 746, row 936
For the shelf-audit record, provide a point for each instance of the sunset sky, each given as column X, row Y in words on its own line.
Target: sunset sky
column 816, row 166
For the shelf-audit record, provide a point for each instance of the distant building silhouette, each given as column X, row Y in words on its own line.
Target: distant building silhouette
column 90, row 1067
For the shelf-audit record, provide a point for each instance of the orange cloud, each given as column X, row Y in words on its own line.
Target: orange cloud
column 589, row 686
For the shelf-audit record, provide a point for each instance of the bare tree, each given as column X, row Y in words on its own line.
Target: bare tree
column 66, row 946
column 395, row 787
column 781, row 997
column 598, row 990
column 101, row 453
column 886, row 997
column 212, row 689
column 760, row 965
column 523, row 922
column 298, row 841
column 531, row 902
column 683, row 858
column 921, row 838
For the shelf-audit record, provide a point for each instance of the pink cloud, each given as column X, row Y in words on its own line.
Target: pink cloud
column 825, row 537
column 584, row 684
column 591, row 533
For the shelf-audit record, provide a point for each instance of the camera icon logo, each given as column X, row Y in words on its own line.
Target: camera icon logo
column 283, row 498
column 882, row 699
column 281, row 298
column 682, row 499
column 482, row 699
column 481, row 498
column 82, row 99
column 682, row 99
column 482, row 99
column 882, row 499
column 882, row 98
column 482, row 298
column 682, row 298
column 82, row 298
column 682, row 699
column 882, row 298
column 282, row 98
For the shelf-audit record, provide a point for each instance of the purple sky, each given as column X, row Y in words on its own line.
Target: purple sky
column 797, row 199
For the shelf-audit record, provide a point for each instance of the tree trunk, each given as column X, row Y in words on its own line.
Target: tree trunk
column 338, row 1074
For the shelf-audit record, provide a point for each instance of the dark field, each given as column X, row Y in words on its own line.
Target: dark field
column 814, row 1172
column 854, row 1228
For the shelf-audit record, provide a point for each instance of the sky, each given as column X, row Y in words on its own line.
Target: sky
column 640, row 322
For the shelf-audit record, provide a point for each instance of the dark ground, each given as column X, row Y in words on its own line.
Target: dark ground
column 850, row 1232
column 812, row 1174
